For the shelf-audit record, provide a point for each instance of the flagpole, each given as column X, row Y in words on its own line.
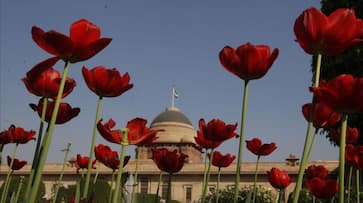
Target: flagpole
column 172, row 97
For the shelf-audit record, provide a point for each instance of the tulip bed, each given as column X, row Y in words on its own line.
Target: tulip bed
column 332, row 102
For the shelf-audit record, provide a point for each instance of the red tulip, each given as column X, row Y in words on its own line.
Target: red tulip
column 248, row 61
column 205, row 143
column 324, row 116
column 44, row 81
column 328, row 35
column 17, row 164
column 16, row 135
column 278, row 179
column 106, row 82
column 352, row 135
column 256, row 147
column 83, row 42
column 113, row 136
column 222, row 161
column 324, row 189
column 5, row 137
column 318, row 171
column 343, row 93
column 354, row 156
column 138, row 134
column 82, row 162
column 216, row 130
column 65, row 111
column 168, row 161
column 109, row 158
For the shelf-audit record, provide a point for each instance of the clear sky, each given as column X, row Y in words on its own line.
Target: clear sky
column 161, row 44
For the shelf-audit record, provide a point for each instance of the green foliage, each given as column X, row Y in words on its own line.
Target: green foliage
column 264, row 195
column 98, row 192
column 307, row 197
column 13, row 188
column 144, row 197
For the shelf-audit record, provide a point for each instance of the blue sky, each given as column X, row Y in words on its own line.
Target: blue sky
column 161, row 44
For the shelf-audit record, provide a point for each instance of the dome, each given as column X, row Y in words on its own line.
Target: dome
column 172, row 114
column 176, row 127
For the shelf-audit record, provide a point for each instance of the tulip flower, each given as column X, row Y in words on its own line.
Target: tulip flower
column 216, row 130
column 278, row 179
column 328, row 35
column 222, row 161
column 82, row 43
column 44, row 81
column 324, row 116
column 109, row 158
column 82, row 162
column 18, row 135
column 168, row 161
column 256, row 147
column 323, row 189
column 65, row 112
column 205, row 143
column 5, row 137
column 210, row 136
column 139, row 134
column 343, row 93
column 354, row 156
column 318, row 171
column 106, row 82
column 17, row 164
column 352, row 135
column 248, row 61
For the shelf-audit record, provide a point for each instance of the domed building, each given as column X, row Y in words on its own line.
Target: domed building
column 178, row 134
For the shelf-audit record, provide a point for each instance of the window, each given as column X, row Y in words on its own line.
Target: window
column 144, row 185
column 188, row 194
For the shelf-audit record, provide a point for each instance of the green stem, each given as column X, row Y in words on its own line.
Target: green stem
column 207, row 176
column 307, row 137
column 168, row 195
column 358, row 184
column 7, row 180
column 312, row 145
column 241, row 140
column 218, row 181
column 135, row 177
column 124, row 143
column 343, row 130
column 91, row 153
column 21, row 181
column 111, row 188
column 37, row 148
column 158, row 188
column 48, row 138
column 281, row 195
column 255, row 181
column 97, row 172
column 205, row 170
column 349, row 183
column 62, row 171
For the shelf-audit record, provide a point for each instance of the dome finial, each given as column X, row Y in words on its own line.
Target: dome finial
column 174, row 95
